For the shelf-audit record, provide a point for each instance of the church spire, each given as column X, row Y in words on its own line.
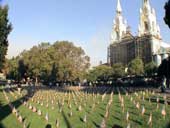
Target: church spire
column 148, row 23
column 146, row 6
column 119, row 25
column 146, row 1
column 119, row 8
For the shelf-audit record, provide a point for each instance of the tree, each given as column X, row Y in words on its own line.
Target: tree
column 22, row 70
column 164, row 68
column 101, row 72
column 5, row 29
column 136, row 67
column 150, row 68
column 118, row 70
column 71, row 60
column 12, row 68
column 54, row 74
column 61, row 61
column 38, row 61
column 167, row 13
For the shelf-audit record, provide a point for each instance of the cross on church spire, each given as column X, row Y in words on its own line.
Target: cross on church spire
column 146, row 4
column 119, row 8
column 145, row 1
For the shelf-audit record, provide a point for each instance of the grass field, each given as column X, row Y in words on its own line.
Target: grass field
column 41, row 107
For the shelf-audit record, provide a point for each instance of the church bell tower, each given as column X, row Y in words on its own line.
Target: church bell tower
column 148, row 23
column 119, row 25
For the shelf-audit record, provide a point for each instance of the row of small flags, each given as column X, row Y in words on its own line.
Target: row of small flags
column 38, row 97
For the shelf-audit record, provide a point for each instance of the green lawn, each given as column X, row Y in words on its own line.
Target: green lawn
column 69, row 108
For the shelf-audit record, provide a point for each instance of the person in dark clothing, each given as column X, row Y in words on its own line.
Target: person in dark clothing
column 164, row 72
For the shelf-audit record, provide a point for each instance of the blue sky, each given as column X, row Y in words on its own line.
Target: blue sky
column 87, row 23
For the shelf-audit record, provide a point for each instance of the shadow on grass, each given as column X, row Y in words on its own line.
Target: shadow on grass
column 97, row 126
column 0, row 104
column 6, row 110
column 115, row 117
column 48, row 126
column 117, row 126
column 102, row 108
column 66, row 120
column 81, row 119
column 161, row 101
column 168, row 125
column 88, row 111
column 1, row 126
column 137, row 122
column 28, row 126
column 133, row 113
column 101, row 115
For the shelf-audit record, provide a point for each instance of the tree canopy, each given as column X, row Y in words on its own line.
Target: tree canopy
column 104, row 72
column 164, row 68
column 136, row 67
column 101, row 72
column 118, row 70
column 167, row 13
column 150, row 68
column 5, row 29
column 59, row 61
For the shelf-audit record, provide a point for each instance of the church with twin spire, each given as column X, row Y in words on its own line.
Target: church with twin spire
column 147, row 44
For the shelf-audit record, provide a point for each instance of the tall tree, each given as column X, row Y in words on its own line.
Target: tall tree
column 136, row 67
column 54, row 73
column 22, row 70
column 5, row 29
column 150, row 68
column 71, row 60
column 167, row 13
column 62, row 60
column 12, row 66
column 118, row 70
column 101, row 72
column 164, row 68
column 38, row 61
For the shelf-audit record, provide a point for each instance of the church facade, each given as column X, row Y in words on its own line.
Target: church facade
column 147, row 45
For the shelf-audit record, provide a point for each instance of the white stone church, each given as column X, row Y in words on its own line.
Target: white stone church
column 147, row 44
